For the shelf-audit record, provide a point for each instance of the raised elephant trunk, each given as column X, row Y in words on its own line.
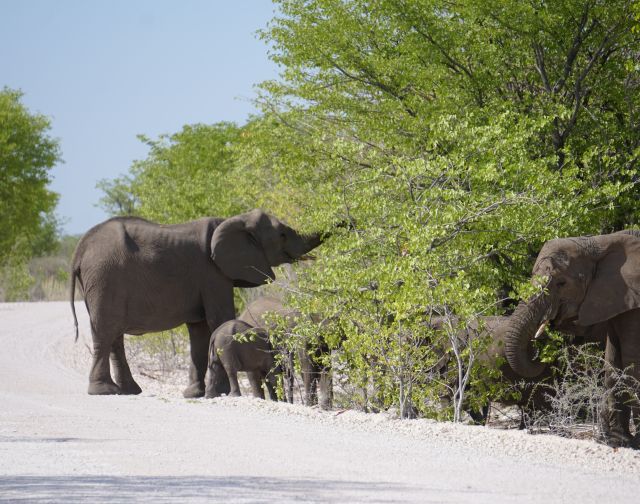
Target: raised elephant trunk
column 524, row 325
column 312, row 240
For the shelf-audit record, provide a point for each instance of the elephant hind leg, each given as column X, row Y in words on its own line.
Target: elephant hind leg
column 233, row 382
column 217, row 380
column 121, row 372
column 100, row 382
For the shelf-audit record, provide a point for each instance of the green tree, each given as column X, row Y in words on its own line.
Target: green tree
column 118, row 198
column 186, row 175
column 455, row 138
column 28, row 225
column 27, row 153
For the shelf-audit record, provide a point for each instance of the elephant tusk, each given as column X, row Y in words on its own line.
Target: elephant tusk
column 541, row 329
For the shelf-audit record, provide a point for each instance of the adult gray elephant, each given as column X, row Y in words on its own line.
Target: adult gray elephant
column 588, row 281
column 315, row 373
column 138, row 276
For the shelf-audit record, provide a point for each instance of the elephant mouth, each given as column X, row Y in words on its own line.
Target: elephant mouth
column 560, row 325
column 564, row 315
column 553, row 318
column 304, row 257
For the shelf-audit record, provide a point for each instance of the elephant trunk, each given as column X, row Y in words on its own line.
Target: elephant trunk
column 309, row 242
column 524, row 325
column 313, row 240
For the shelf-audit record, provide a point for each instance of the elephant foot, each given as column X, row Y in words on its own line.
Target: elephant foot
column 210, row 393
column 194, row 390
column 235, row 393
column 103, row 388
column 130, row 388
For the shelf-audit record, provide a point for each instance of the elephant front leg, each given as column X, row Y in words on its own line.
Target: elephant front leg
column 233, row 382
column 615, row 412
column 121, row 371
column 255, row 379
column 199, row 334
column 615, row 416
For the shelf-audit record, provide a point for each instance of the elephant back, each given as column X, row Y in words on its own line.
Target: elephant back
column 259, row 313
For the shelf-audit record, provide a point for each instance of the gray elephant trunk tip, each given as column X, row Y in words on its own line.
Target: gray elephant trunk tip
column 314, row 240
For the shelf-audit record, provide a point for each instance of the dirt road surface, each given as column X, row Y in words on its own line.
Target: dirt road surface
column 58, row 444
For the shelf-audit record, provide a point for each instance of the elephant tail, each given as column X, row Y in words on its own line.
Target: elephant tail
column 213, row 357
column 74, row 273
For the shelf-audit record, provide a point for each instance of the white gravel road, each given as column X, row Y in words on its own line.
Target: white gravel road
column 57, row 444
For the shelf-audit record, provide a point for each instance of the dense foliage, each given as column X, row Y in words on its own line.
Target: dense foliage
column 453, row 139
column 28, row 225
column 184, row 177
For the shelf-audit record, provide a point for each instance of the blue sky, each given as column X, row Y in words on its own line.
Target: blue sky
column 105, row 71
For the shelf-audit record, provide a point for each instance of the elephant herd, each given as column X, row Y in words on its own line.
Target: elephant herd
column 137, row 277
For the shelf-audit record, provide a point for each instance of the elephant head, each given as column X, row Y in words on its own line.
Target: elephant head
column 246, row 247
column 587, row 280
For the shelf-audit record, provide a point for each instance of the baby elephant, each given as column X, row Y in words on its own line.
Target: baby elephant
column 237, row 346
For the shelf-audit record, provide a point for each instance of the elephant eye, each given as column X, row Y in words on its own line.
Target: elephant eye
column 283, row 235
column 561, row 283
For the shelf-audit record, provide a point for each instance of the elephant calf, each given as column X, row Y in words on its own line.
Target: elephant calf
column 237, row 346
column 311, row 355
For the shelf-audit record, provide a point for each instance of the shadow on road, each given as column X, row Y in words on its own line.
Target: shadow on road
column 114, row 489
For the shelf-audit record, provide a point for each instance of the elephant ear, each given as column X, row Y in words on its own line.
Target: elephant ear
column 615, row 287
column 239, row 255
